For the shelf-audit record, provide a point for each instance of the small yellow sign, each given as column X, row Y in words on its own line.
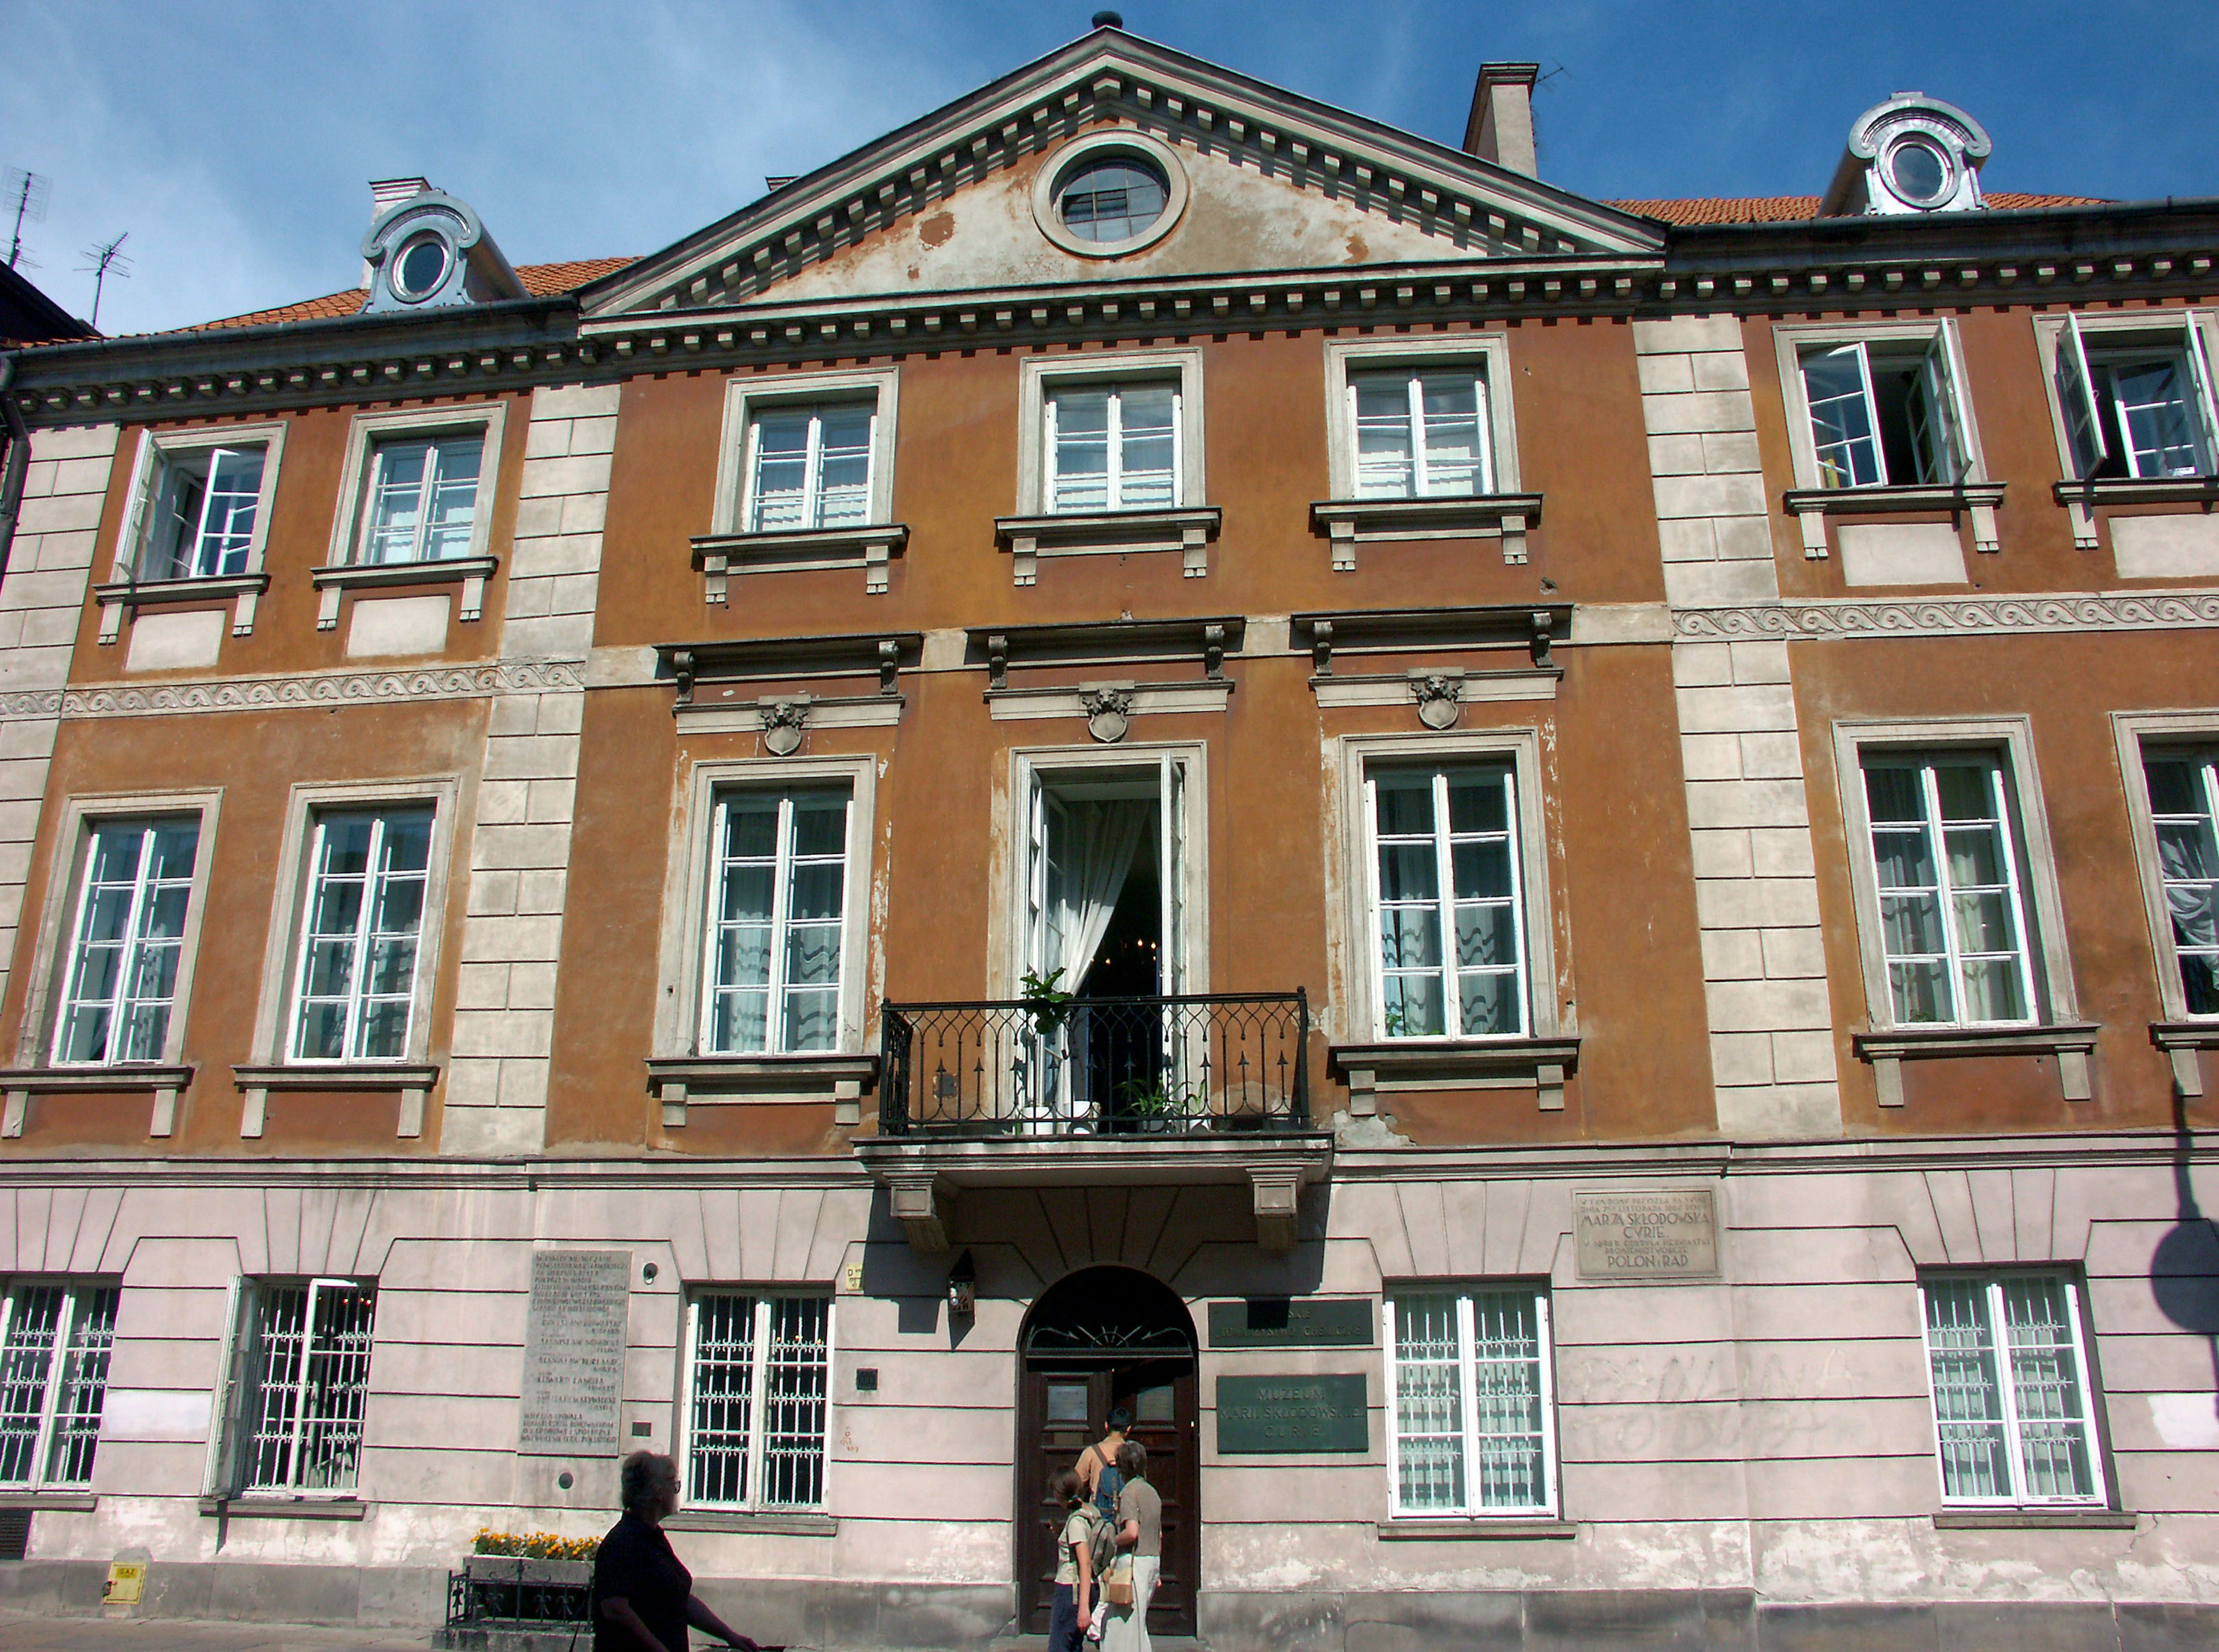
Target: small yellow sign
column 854, row 1275
column 127, row 1580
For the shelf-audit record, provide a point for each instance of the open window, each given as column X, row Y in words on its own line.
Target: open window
column 2135, row 401
column 1886, row 412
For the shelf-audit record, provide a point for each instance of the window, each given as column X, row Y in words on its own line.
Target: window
column 301, row 1365
column 2136, row 399
column 1114, row 447
column 2183, row 804
column 1885, row 412
column 778, row 922
column 1114, row 199
column 809, row 467
column 1472, row 1426
column 1952, row 918
column 120, row 983
column 201, row 525
column 1446, row 863
column 1110, row 192
column 1420, row 433
column 2013, row 1416
column 755, row 1408
column 54, row 1350
column 423, row 499
column 356, row 986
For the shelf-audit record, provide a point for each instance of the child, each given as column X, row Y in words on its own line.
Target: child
column 1074, row 1612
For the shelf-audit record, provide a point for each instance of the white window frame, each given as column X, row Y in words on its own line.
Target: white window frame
column 1040, row 376
column 61, row 1372
column 1992, row 1281
column 2063, row 343
column 140, row 894
column 689, row 889
column 351, row 522
column 60, row 914
column 746, row 396
column 761, row 1298
column 277, row 1006
column 1462, row 1292
column 373, row 890
column 1943, row 346
column 230, row 1436
column 777, row 987
column 1352, row 943
column 2138, row 735
column 157, row 449
column 1488, row 354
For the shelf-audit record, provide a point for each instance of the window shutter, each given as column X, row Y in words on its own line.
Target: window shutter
column 224, row 1404
column 2076, row 395
column 2199, row 374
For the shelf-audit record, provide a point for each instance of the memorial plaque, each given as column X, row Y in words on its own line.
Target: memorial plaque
column 574, row 1350
column 1291, row 1322
column 1267, row 1416
column 1668, row 1233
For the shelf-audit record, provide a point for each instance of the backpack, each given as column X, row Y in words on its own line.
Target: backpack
column 1107, row 1485
column 1102, row 1542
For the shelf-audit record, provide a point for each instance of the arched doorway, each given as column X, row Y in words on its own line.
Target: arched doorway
column 1096, row 1339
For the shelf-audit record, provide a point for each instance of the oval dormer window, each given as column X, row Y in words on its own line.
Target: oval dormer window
column 1919, row 172
column 421, row 266
column 1116, row 198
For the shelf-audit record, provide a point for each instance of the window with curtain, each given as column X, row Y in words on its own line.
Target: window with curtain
column 355, row 996
column 2008, row 1359
column 1885, row 413
column 421, row 506
column 202, row 520
column 1448, row 909
column 809, row 467
column 777, row 926
column 2184, row 799
column 119, row 984
column 1472, row 1429
column 1113, row 447
column 1953, row 911
column 1421, row 433
column 54, row 1349
column 757, row 1373
column 305, row 1357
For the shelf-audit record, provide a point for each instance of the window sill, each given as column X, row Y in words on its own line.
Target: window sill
column 471, row 573
column 718, row 555
column 1473, row 516
column 679, row 1080
column 284, row 1508
column 21, row 1084
column 73, row 1502
column 1108, row 533
column 2181, row 1039
column 412, row 1084
column 1813, row 506
column 1475, row 1530
column 241, row 589
column 2035, row 1520
column 2069, row 1041
column 2081, row 498
column 1446, row 1064
column 766, row 1524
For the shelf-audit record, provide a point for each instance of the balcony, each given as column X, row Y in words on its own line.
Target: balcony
column 1061, row 1091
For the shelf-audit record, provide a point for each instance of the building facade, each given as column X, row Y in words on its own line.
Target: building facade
column 1540, row 874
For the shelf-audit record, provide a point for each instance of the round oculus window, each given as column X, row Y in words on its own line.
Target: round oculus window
column 421, row 266
column 1919, row 172
column 1112, row 198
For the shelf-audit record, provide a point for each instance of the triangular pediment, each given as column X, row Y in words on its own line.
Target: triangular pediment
column 1272, row 182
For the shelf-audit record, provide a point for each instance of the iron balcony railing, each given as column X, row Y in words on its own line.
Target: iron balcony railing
column 1119, row 1067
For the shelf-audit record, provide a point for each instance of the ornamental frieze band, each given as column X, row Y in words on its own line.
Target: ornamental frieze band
column 1967, row 616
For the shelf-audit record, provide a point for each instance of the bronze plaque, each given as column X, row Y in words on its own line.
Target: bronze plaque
column 1664, row 1234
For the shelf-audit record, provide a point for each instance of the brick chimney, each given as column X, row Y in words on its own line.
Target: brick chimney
column 1500, row 128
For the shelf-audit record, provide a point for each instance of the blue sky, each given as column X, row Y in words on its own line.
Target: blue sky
column 234, row 140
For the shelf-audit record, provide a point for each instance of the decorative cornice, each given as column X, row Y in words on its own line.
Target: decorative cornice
column 269, row 693
column 2149, row 611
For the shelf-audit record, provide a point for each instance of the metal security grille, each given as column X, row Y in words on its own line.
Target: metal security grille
column 53, row 1378
column 310, row 1369
column 1472, row 1404
column 2012, row 1418
column 757, row 1411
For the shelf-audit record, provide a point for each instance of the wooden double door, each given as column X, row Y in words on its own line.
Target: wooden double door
column 1062, row 1404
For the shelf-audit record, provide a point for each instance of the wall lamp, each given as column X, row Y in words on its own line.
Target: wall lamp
column 963, row 1289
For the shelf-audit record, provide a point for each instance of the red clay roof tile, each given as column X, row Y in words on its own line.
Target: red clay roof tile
column 540, row 281
column 1788, row 209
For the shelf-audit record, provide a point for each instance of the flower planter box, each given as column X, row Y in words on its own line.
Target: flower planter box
column 524, row 1569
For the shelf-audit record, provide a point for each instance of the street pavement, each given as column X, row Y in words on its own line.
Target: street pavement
column 19, row 1634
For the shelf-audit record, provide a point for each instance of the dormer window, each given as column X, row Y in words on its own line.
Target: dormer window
column 1912, row 154
column 1920, row 172
column 427, row 249
column 422, row 266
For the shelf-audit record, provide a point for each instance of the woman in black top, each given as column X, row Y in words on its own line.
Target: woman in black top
column 642, row 1597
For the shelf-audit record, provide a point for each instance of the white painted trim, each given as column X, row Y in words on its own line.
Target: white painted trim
column 156, row 445
column 2156, row 326
column 2134, row 732
column 1037, row 373
column 1790, row 339
column 689, row 1339
column 368, row 429
column 1490, row 352
column 744, row 394
column 1048, row 181
column 1462, row 1292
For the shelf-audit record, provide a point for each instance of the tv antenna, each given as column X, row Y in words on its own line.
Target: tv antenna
column 108, row 258
column 26, row 192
